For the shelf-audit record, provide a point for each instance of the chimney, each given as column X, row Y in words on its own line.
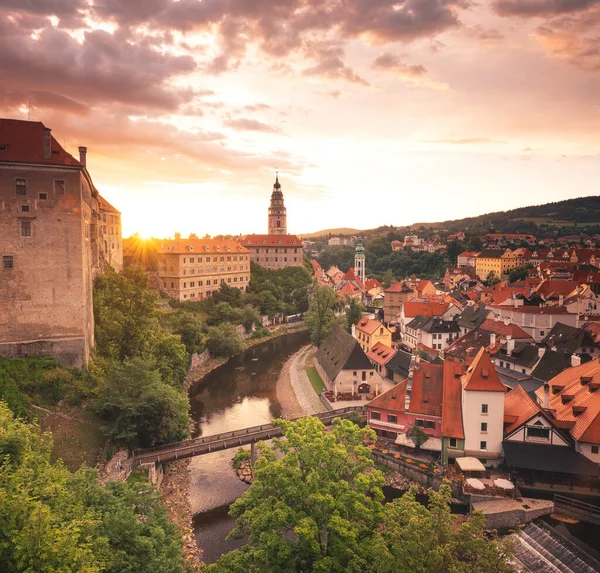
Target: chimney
column 47, row 143
column 177, row 236
column 541, row 352
column 561, row 300
column 493, row 339
column 82, row 155
column 546, row 396
column 575, row 360
column 506, row 321
column 354, row 330
column 510, row 345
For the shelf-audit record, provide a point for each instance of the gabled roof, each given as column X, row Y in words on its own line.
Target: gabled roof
column 399, row 287
column 369, row 326
column 349, row 289
column 473, row 316
column 429, row 308
column 25, row 144
column 491, row 253
column 370, row 284
column 400, row 363
column 452, row 421
column 523, row 354
column 341, row 351
column 315, row 265
column 272, row 241
column 427, row 389
column 500, row 328
column 482, row 375
column 567, row 338
column 392, row 399
column 551, row 364
column 519, row 407
column 555, row 288
column 381, row 354
column 466, row 347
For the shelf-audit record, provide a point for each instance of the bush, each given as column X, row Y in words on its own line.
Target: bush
column 240, row 457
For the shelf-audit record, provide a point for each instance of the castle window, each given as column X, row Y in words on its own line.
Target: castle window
column 25, row 228
column 7, row 262
column 59, row 190
column 43, row 196
column 21, row 186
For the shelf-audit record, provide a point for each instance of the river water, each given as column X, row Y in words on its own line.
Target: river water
column 237, row 395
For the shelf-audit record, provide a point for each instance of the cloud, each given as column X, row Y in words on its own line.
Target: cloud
column 484, row 35
column 540, row 8
column 568, row 44
column 245, row 124
column 393, row 63
column 464, row 141
column 333, row 68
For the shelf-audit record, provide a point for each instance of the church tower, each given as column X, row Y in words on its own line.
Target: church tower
column 277, row 215
column 359, row 262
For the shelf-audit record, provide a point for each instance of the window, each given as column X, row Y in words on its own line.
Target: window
column 594, row 449
column 541, row 333
column 20, row 186
column 353, row 373
column 483, row 445
column 191, row 259
column 484, row 408
column 24, row 208
column 7, row 262
column 375, row 416
column 452, row 442
column 543, row 433
column 392, row 419
column 43, row 196
column 25, row 228
column 484, row 426
column 420, row 423
column 430, row 424
column 59, row 191
column 364, row 375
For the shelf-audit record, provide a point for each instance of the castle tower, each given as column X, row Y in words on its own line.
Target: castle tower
column 359, row 262
column 277, row 214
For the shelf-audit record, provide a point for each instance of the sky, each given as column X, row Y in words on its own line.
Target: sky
column 375, row 112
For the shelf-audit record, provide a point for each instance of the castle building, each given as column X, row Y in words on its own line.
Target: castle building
column 56, row 233
column 277, row 249
column 193, row 269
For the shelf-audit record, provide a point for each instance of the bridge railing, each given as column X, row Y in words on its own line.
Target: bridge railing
column 576, row 505
column 244, row 435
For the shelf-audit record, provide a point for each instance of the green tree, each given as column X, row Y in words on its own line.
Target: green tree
column 54, row 521
column 223, row 340
column 190, row 329
column 415, row 538
column 492, row 279
column 228, row 294
column 250, row 318
column 125, row 313
column 140, row 408
column 172, row 360
column 320, row 316
column 311, row 509
column 354, row 312
column 388, row 278
column 418, row 436
column 518, row 274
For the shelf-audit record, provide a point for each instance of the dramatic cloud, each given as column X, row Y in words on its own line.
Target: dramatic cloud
column 533, row 8
column 393, row 63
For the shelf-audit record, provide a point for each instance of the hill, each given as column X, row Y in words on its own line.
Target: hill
column 325, row 232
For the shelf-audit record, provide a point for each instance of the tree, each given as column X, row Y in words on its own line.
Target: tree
column 418, row 436
column 172, row 360
column 312, row 509
column 53, row 520
column 353, row 313
column 320, row 316
column 492, row 279
column 140, row 408
column 223, row 340
column 191, row 331
column 388, row 278
column 250, row 318
column 518, row 274
column 316, row 505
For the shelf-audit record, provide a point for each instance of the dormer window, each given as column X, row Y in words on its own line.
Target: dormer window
column 579, row 410
column 566, row 398
column 3, row 147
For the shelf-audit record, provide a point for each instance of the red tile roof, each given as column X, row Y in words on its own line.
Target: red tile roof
column 502, row 329
column 569, row 382
column 430, row 308
column 200, row 247
column 368, row 325
column 315, row 264
column 427, row 389
column 349, row 289
column 452, row 421
column 392, row 399
column 398, row 287
column 25, row 141
column 272, row 241
column 372, row 283
column 555, row 288
column 482, row 375
column 381, row 353
column 518, row 408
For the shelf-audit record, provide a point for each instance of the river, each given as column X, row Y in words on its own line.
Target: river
column 239, row 394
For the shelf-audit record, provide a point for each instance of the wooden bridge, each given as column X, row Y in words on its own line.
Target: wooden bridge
column 577, row 509
column 207, row 444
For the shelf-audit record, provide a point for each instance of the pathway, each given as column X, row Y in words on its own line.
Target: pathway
column 305, row 394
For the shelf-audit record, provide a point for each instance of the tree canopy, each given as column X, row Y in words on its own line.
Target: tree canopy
column 320, row 316
column 317, row 505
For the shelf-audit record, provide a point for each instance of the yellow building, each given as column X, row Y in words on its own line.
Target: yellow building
column 496, row 261
column 369, row 332
column 193, row 269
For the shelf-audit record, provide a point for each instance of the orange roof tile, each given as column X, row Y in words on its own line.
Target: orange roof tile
column 201, row 247
column 368, row 325
column 381, row 353
column 452, row 421
column 398, row 287
column 518, row 408
column 372, row 283
column 502, row 329
column 569, row 383
column 272, row 241
column 482, row 376
column 430, row 308
column 427, row 389
column 392, row 399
